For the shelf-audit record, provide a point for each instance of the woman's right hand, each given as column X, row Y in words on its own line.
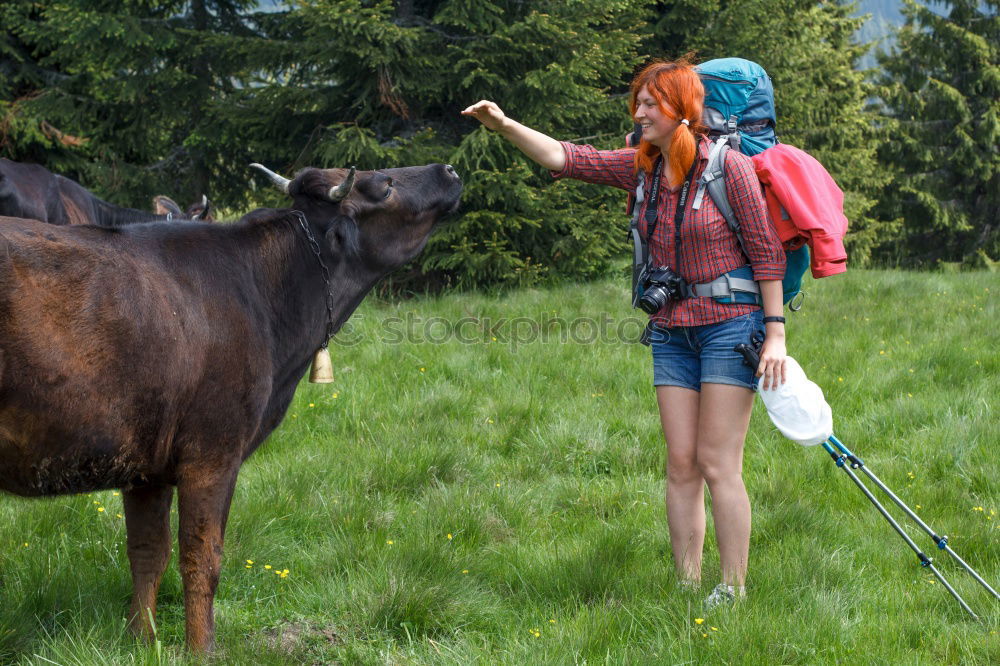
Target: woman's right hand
column 488, row 113
column 537, row 146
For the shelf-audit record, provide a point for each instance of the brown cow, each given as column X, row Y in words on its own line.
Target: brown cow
column 32, row 191
column 156, row 356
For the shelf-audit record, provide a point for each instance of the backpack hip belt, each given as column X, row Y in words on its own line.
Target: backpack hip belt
column 736, row 286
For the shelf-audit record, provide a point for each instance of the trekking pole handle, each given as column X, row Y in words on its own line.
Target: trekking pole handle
column 749, row 354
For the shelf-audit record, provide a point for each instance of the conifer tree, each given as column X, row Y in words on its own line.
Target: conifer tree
column 25, row 135
column 142, row 86
column 941, row 93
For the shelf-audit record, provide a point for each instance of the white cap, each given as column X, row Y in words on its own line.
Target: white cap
column 798, row 407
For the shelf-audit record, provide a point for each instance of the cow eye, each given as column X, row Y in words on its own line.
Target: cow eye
column 388, row 188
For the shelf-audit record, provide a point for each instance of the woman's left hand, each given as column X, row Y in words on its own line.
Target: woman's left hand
column 772, row 362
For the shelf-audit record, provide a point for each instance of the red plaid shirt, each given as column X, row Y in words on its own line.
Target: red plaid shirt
column 708, row 247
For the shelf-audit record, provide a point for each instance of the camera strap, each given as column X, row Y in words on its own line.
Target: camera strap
column 654, row 193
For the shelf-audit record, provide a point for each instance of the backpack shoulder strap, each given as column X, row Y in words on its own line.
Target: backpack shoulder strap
column 713, row 180
column 639, row 249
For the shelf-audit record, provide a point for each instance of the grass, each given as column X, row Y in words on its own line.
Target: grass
column 500, row 501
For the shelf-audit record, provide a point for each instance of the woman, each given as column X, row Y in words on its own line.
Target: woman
column 703, row 388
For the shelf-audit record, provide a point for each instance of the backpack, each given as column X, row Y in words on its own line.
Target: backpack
column 740, row 114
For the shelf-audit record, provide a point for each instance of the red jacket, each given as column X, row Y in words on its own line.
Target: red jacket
column 805, row 205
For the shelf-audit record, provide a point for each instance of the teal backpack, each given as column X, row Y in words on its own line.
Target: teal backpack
column 739, row 112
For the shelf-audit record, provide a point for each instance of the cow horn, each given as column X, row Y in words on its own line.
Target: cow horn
column 338, row 192
column 280, row 181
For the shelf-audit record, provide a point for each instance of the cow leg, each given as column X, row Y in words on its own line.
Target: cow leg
column 147, row 522
column 203, row 498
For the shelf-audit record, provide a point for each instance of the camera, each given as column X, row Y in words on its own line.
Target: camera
column 659, row 285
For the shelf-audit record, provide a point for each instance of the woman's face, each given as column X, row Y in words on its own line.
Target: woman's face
column 657, row 128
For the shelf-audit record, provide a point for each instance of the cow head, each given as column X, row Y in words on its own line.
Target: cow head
column 383, row 217
column 199, row 210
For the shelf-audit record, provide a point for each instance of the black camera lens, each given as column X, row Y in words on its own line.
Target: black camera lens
column 653, row 299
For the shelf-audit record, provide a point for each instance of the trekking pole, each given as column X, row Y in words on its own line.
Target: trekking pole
column 940, row 541
column 925, row 561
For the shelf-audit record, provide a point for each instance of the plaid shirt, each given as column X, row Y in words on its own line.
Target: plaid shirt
column 708, row 247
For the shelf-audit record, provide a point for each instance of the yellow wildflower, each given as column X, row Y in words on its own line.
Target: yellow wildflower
column 699, row 620
column 449, row 537
column 267, row 566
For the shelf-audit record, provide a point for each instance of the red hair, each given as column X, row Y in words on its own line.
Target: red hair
column 679, row 94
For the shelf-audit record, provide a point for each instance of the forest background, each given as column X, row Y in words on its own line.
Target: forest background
column 135, row 98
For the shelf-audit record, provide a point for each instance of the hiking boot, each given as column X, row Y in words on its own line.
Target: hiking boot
column 722, row 595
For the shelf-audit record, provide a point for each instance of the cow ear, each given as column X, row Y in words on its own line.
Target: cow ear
column 343, row 235
column 164, row 205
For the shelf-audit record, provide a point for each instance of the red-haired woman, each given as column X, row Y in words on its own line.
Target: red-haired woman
column 703, row 388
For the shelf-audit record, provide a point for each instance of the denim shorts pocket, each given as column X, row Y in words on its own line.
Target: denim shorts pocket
column 721, row 363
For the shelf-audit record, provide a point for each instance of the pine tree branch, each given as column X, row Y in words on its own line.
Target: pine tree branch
column 419, row 21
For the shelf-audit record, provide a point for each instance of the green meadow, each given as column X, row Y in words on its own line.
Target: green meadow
column 483, row 483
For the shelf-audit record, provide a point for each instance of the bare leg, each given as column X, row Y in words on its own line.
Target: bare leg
column 685, row 494
column 147, row 522
column 203, row 498
column 722, row 429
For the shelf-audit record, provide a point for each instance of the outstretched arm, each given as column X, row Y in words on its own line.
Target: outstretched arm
column 541, row 148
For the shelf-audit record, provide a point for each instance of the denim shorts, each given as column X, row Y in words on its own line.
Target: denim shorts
column 690, row 356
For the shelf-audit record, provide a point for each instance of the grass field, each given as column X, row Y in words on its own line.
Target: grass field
column 455, row 498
